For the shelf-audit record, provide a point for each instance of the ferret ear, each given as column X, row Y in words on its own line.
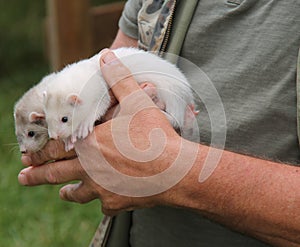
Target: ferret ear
column 73, row 99
column 35, row 116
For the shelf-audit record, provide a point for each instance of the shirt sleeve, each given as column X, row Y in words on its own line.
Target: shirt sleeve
column 128, row 22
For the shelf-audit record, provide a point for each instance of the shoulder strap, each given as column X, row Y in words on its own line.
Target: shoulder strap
column 168, row 27
column 181, row 22
column 298, row 96
column 113, row 231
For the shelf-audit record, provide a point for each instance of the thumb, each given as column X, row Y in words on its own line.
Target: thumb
column 117, row 76
column 77, row 193
column 54, row 150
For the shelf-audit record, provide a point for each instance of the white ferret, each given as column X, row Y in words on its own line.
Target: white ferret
column 30, row 124
column 79, row 95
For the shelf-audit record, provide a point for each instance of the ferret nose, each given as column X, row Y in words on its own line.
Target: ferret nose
column 23, row 150
column 53, row 136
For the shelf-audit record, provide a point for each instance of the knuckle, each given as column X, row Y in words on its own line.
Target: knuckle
column 51, row 175
column 54, row 150
column 82, row 200
column 107, row 212
column 37, row 158
column 110, row 206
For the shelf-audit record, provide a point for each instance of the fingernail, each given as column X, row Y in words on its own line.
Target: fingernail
column 108, row 57
column 103, row 51
column 65, row 192
column 62, row 193
column 22, row 179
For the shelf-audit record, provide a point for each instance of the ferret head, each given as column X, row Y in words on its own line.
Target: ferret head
column 31, row 131
column 59, row 110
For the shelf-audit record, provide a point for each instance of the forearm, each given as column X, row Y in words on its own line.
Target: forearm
column 122, row 40
column 250, row 195
column 254, row 196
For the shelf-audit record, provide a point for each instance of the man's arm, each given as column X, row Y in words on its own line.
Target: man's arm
column 250, row 195
column 123, row 40
column 254, row 196
column 260, row 194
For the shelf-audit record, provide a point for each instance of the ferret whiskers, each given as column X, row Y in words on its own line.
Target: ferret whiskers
column 14, row 148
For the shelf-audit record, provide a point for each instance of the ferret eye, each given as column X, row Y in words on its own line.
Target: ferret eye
column 31, row 133
column 64, row 119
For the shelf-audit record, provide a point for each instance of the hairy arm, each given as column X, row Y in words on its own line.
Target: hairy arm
column 251, row 195
column 254, row 196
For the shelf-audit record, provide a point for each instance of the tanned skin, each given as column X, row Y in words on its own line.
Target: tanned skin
column 254, row 196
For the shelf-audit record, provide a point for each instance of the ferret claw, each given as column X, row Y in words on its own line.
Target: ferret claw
column 74, row 138
column 68, row 144
column 84, row 129
column 91, row 128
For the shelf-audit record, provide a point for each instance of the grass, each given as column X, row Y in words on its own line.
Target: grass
column 34, row 216
column 31, row 216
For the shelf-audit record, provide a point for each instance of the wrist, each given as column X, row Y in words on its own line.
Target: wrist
column 188, row 191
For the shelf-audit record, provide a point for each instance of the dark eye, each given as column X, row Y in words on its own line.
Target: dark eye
column 31, row 133
column 64, row 119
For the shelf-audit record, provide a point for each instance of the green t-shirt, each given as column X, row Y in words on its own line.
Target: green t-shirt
column 248, row 49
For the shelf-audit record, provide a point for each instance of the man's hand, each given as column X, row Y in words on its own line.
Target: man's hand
column 151, row 146
column 53, row 150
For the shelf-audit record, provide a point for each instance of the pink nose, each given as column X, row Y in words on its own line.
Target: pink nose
column 23, row 149
column 53, row 136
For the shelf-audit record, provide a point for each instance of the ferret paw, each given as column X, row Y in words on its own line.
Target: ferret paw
column 77, row 134
column 74, row 138
column 189, row 117
column 82, row 132
column 85, row 129
column 68, row 144
column 91, row 127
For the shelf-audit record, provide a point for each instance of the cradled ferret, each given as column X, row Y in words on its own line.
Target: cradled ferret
column 78, row 95
column 30, row 124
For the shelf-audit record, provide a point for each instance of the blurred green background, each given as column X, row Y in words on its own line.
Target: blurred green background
column 31, row 216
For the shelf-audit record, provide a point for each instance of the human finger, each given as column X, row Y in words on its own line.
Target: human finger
column 52, row 173
column 79, row 193
column 148, row 87
column 123, row 85
column 117, row 76
column 54, row 150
